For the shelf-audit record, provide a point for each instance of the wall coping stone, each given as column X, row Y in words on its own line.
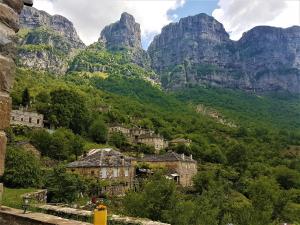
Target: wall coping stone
column 38, row 217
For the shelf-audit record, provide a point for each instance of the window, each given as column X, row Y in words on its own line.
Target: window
column 103, row 173
column 126, row 172
column 38, row 121
column 13, row 118
column 92, row 172
column 30, row 119
column 115, row 172
column 22, row 119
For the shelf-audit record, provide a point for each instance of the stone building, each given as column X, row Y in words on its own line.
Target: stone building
column 107, row 165
column 180, row 141
column 26, row 118
column 179, row 167
column 9, row 25
column 153, row 140
column 141, row 136
column 119, row 128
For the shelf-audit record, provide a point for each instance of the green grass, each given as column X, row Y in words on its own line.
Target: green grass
column 12, row 197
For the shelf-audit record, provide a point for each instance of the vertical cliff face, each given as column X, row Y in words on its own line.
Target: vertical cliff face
column 125, row 36
column 195, row 39
column 46, row 42
column 197, row 51
column 32, row 18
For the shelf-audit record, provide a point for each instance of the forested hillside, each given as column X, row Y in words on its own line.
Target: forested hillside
column 252, row 168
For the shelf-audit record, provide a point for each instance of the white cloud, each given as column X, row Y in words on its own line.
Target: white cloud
column 91, row 16
column 239, row 16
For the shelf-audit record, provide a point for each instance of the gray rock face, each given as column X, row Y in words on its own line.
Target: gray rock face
column 46, row 42
column 32, row 18
column 125, row 35
column 197, row 51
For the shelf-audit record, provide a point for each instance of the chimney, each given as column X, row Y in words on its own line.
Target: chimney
column 183, row 156
column 122, row 161
column 191, row 156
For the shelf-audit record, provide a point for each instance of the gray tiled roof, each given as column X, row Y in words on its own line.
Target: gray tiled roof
column 102, row 158
column 168, row 157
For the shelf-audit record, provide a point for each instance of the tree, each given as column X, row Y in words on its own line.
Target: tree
column 22, row 169
column 69, row 110
column 117, row 139
column 156, row 199
column 26, row 98
column 63, row 186
column 77, row 146
column 98, row 131
column 287, row 178
column 41, row 139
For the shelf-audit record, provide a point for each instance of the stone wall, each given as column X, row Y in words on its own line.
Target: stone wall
column 9, row 216
column 9, row 25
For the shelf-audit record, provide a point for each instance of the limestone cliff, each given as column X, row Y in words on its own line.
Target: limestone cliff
column 198, row 51
column 125, row 36
column 46, row 42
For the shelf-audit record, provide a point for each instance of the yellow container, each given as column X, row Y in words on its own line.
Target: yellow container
column 100, row 215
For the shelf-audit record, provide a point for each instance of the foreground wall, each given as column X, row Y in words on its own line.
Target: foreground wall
column 9, row 216
column 9, row 25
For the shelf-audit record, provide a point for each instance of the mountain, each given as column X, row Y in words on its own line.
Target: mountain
column 47, row 42
column 125, row 35
column 198, row 51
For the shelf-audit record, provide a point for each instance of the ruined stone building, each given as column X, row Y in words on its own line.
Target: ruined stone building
column 141, row 136
column 107, row 165
column 26, row 118
column 9, row 25
column 154, row 140
column 179, row 167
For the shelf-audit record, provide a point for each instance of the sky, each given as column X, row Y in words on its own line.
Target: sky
column 238, row 16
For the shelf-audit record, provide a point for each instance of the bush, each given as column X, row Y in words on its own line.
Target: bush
column 117, row 139
column 63, row 186
column 22, row 169
column 98, row 131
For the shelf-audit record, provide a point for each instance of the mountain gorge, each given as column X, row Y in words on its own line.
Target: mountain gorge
column 196, row 51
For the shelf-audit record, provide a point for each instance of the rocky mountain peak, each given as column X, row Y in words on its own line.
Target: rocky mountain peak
column 125, row 33
column 32, row 18
column 198, row 51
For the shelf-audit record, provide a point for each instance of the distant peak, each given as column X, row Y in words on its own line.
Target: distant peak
column 127, row 17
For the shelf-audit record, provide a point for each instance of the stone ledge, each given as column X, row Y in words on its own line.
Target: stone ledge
column 7, row 73
column 9, row 17
column 9, row 216
column 17, row 5
column 5, row 110
column 3, row 141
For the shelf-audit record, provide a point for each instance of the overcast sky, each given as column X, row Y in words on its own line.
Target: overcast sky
column 238, row 16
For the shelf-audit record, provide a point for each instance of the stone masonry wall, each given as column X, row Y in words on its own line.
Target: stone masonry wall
column 9, row 25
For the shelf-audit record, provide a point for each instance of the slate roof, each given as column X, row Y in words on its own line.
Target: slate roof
column 168, row 157
column 105, row 157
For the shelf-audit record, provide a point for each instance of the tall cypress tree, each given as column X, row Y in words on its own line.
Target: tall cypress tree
column 26, row 98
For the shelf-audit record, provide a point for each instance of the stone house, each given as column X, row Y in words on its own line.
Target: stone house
column 180, row 141
column 26, row 118
column 141, row 136
column 153, row 140
column 119, row 128
column 107, row 165
column 179, row 167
